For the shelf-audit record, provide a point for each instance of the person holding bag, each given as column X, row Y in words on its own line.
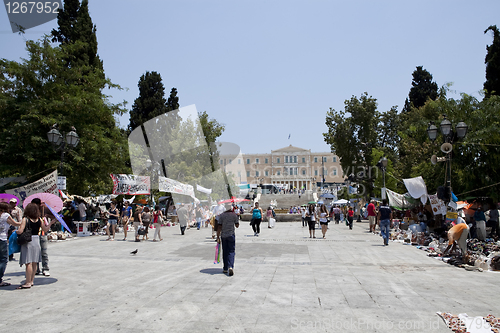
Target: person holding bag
column 30, row 251
column 5, row 222
column 146, row 220
column 157, row 221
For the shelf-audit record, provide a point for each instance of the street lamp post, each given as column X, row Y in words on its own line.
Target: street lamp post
column 63, row 141
column 154, row 168
column 382, row 164
column 449, row 137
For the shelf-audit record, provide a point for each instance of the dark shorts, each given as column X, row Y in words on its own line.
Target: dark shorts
column 311, row 224
column 323, row 223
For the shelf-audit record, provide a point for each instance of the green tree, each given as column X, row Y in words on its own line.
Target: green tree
column 492, row 61
column 388, row 136
column 173, row 100
column 151, row 101
column 422, row 88
column 474, row 158
column 75, row 25
column 352, row 135
column 34, row 95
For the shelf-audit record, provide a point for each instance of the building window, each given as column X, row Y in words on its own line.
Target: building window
column 239, row 160
column 315, row 172
column 315, row 160
column 278, row 172
column 324, row 159
column 248, row 174
column 266, row 161
column 295, row 159
column 221, row 162
column 248, row 161
column 303, row 160
column 335, row 172
column 303, row 172
column 239, row 173
column 230, row 160
column 334, row 159
column 267, row 173
column 256, row 174
column 278, row 160
column 325, row 171
column 257, row 161
column 286, row 159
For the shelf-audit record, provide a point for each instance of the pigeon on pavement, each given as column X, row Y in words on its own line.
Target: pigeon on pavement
column 134, row 252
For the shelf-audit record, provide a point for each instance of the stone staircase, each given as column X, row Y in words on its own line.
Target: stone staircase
column 285, row 200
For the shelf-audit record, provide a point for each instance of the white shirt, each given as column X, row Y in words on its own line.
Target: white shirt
column 81, row 209
column 4, row 226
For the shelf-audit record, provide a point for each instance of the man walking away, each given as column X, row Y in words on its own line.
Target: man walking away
column 385, row 218
column 183, row 215
column 225, row 234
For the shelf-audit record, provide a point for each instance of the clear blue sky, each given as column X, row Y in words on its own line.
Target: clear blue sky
column 268, row 69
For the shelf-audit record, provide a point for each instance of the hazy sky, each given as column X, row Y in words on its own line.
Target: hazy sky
column 270, row 69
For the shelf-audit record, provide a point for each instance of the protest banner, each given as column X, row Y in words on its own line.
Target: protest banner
column 175, row 187
column 47, row 184
column 131, row 184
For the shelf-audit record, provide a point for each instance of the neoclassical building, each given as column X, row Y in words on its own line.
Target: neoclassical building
column 289, row 167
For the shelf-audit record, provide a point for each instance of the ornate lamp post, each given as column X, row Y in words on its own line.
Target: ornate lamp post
column 449, row 137
column 63, row 141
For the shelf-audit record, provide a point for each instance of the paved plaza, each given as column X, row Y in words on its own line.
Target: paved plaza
column 284, row 282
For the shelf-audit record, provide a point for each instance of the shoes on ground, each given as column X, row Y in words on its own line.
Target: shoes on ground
column 224, row 271
column 46, row 273
column 231, row 272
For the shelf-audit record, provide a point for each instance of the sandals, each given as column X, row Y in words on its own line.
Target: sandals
column 4, row 284
column 23, row 286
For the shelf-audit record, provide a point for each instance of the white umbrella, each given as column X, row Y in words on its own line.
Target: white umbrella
column 341, row 202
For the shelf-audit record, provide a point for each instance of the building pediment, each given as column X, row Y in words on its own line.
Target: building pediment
column 290, row 149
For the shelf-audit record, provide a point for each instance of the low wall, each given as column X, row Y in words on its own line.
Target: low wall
column 279, row 218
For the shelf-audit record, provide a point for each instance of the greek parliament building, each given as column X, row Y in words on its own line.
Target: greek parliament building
column 288, row 168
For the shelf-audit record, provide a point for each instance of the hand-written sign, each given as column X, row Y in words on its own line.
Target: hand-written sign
column 131, row 184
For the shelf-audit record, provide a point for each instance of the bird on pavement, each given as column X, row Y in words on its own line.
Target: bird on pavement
column 134, row 252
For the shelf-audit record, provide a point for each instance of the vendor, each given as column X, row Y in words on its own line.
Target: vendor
column 457, row 234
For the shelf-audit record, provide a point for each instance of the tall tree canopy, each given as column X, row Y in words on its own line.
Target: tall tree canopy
column 151, row 101
column 492, row 61
column 76, row 25
column 422, row 89
column 34, row 95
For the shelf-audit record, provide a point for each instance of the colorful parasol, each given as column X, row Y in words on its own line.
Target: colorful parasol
column 233, row 199
column 59, row 218
column 49, row 199
column 5, row 197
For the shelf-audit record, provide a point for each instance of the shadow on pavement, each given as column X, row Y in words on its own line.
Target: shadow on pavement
column 211, row 271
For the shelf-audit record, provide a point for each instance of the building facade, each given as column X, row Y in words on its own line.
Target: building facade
column 289, row 167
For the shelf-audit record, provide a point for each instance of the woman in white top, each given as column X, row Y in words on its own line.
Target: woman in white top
column 323, row 219
column 5, row 222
